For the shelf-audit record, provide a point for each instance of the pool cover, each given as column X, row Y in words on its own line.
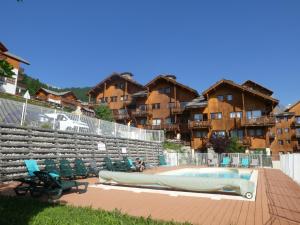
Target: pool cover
column 197, row 184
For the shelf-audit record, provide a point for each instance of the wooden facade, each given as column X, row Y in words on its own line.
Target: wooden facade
column 64, row 99
column 285, row 135
column 116, row 91
column 233, row 110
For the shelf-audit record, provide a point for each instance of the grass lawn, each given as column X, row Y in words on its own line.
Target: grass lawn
column 21, row 211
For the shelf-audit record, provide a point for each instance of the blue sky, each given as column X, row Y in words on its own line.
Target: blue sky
column 78, row 43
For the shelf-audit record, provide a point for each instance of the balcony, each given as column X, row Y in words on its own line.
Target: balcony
column 199, row 124
column 260, row 121
column 120, row 115
column 139, row 113
column 296, row 122
column 168, row 127
column 177, row 110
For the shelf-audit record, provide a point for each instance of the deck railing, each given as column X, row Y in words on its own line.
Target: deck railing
column 199, row 124
column 259, row 121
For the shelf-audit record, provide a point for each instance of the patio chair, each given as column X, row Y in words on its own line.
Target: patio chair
column 162, row 160
column 114, row 165
column 93, row 169
column 235, row 161
column 245, row 162
column 130, row 164
column 66, row 170
column 254, row 163
column 50, row 166
column 225, row 161
column 212, row 162
column 52, row 187
column 80, row 169
column 27, row 183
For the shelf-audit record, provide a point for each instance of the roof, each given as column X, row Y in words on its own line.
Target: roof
column 292, row 106
column 55, row 92
column 5, row 52
column 198, row 102
column 243, row 88
column 167, row 78
column 118, row 75
column 258, row 85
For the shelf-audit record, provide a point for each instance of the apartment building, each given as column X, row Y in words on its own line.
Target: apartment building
column 285, row 135
column 9, row 85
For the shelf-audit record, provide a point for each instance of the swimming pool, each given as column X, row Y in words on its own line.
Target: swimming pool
column 211, row 173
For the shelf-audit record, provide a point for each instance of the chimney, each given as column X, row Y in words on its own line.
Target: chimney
column 171, row 76
column 127, row 75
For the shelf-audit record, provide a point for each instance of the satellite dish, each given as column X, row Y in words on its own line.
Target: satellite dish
column 27, row 95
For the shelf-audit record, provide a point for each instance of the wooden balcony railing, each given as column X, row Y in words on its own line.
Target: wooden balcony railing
column 140, row 113
column 177, row 110
column 121, row 116
column 260, row 121
column 170, row 127
column 199, row 124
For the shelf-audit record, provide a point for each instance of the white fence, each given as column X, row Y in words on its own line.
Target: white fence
column 18, row 113
column 290, row 165
column 213, row 159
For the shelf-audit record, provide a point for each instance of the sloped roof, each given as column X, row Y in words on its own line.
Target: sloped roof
column 198, row 102
column 167, row 78
column 56, row 92
column 243, row 88
column 258, row 85
column 5, row 52
column 292, row 106
column 118, row 75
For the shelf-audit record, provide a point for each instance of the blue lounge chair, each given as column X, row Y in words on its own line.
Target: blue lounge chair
column 162, row 160
column 225, row 161
column 245, row 162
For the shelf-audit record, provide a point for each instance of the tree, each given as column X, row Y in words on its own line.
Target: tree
column 226, row 144
column 235, row 147
column 104, row 112
column 6, row 70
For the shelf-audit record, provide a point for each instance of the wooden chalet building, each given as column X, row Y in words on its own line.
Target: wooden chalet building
column 63, row 99
column 9, row 85
column 285, row 136
column 162, row 106
column 229, row 109
column 116, row 92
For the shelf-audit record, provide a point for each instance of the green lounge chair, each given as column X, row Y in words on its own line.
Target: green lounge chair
column 225, row 161
column 66, row 170
column 114, row 165
column 162, row 160
column 245, row 162
column 52, row 187
column 80, row 168
column 93, row 168
column 50, row 166
column 130, row 164
column 28, row 183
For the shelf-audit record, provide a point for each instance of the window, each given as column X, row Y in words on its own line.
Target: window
column 216, row 116
column 255, row 132
column 253, row 114
column 251, row 132
column 237, row 133
column 286, row 130
column 142, row 107
column 200, row 134
column 220, row 97
column 298, row 119
column 156, row 106
column 280, row 142
column 198, row 117
column 279, row 131
column 220, row 133
column 171, row 105
column 164, row 90
column 156, row 121
column 120, row 85
column 113, row 98
column 124, row 98
column 169, row 120
column 259, row 132
column 229, row 98
column 238, row 115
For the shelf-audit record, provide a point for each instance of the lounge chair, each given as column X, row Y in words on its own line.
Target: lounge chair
column 50, row 166
column 66, row 170
column 130, row 164
column 212, row 162
column 162, row 160
column 80, row 169
column 225, row 161
column 28, row 183
column 235, row 161
column 114, row 165
column 52, row 187
column 93, row 169
column 245, row 162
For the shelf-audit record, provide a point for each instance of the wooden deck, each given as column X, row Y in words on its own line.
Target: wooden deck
column 277, row 202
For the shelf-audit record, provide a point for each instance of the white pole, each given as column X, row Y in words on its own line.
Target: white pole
column 22, row 116
column 54, row 121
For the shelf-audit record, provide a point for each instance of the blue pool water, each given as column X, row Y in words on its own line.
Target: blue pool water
column 211, row 174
